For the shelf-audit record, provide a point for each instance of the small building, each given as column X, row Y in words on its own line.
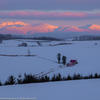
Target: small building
column 73, row 62
column 23, row 45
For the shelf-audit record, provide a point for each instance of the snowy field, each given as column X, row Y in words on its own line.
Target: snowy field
column 66, row 90
column 85, row 52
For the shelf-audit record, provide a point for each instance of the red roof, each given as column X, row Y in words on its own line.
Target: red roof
column 73, row 60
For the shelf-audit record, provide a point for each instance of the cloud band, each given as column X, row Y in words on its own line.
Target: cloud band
column 49, row 15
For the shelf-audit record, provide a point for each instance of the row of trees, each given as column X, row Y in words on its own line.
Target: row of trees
column 33, row 79
column 86, row 37
column 5, row 36
column 63, row 58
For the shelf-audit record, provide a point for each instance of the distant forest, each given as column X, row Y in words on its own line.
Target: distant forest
column 86, row 37
column 80, row 38
column 9, row 36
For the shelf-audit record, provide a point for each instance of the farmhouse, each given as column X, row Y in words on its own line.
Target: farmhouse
column 23, row 45
column 73, row 62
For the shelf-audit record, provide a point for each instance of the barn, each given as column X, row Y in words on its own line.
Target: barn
column 73, row 62
column 23, row 45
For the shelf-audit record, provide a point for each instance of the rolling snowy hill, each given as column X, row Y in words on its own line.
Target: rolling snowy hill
column 45, row 61
column 68, row 90
column 85, row 52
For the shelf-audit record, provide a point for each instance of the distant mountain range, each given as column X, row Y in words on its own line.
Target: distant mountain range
column 43, row 29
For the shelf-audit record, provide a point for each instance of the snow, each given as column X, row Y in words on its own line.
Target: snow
column 85, row 52
column 66, row 90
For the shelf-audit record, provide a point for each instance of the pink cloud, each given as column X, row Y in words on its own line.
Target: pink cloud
column 49, row 15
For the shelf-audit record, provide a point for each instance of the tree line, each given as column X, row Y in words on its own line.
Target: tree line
column 29, row 78
column 5, row 36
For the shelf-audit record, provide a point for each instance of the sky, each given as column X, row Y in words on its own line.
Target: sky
column 54, row 12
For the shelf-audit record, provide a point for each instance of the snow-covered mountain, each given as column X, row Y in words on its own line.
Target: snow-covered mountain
column 29, row 29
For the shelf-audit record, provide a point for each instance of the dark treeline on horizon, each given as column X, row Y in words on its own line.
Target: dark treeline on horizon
column 10, row 36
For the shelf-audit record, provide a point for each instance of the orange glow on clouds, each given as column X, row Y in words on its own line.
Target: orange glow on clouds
column 49, row 15
column 70, row 14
